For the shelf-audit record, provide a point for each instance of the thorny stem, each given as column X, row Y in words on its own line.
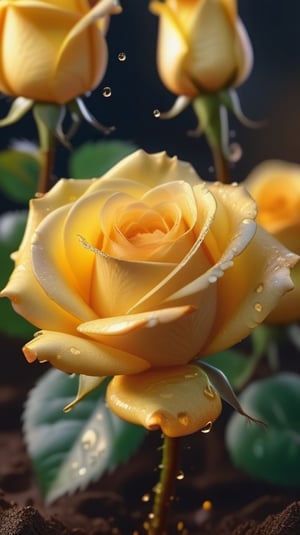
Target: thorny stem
column 164, row 491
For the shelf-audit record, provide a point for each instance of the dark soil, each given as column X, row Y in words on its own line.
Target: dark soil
column 120, row 503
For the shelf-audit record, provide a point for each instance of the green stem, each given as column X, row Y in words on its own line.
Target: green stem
column 47, row 164
column 164, row 491
column 47, row 117
column 221, row 163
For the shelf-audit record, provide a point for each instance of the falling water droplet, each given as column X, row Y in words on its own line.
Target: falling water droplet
column 183, row 418
column 156, row 113
column 209, row 392
column 207, row 505
column 180, row 475
column 122, row 56
column 207, row 428
column 106, row 92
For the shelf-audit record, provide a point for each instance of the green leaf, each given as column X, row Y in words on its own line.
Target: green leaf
column 19, row 173
column 95, row 158
column 237, row 367
column 70, row 450
column 271, row 454
column 12, row 225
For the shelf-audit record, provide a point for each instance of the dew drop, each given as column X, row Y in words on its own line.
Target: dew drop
column 156, row 113
column 74, row 351
column 89, row 439
column 180, row 475
column 259, row 288
column 246, row 221
column 122, row 56
column 212, row 279
column 82, row 471
column 258, row 307
column 207, row 428
column 106, row 92
column 146, row 498
column 183, row 418
column 209, row 392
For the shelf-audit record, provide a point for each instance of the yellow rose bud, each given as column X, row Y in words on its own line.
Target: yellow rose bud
column 138, row 274
column 52, row 51
column 203, row 46
column 275, row 186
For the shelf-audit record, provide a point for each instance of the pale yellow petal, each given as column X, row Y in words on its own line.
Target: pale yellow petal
column 27, row 295
column 149, row 170
column 117, row 285
column 250, row 289
column 162, row 337
column 172, row 49
column 52, row 268
column 288, row 308
column 74, row 354
column 178, row 400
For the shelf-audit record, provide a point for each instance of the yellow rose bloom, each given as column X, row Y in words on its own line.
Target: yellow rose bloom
column 203, row 46
column 52, row 51
column 275, row 186
column 139, row 273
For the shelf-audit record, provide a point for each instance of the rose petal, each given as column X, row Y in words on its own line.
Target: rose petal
column 162, row 337
column 149, row 170
column 195, row 263
column 258, row 286
column 26, row 294
column 52, row 269
column 179, row 400
column 73, row 354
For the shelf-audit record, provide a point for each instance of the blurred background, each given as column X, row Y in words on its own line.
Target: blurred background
column 270, row 94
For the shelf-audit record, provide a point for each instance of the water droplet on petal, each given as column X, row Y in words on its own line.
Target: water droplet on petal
column 122, row 56
column 258, row 307
column 209, row 392
column 207, row 428
column 74, row 351
column 259, row 288
column 106, row 92
column 246, row 221
column 212, row 279
column 82, row 471
column 156, row 113
column 183, row 418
